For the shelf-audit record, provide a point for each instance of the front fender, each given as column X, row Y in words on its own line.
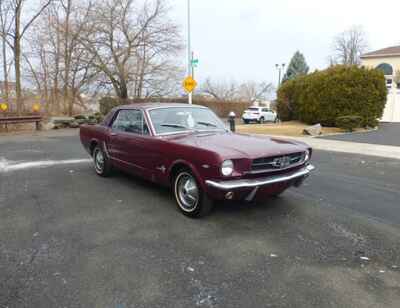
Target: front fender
column 195, row 170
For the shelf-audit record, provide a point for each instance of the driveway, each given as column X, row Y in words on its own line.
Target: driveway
column 69, row 238
column 387, row 134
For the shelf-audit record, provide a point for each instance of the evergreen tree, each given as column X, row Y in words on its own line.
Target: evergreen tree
column 297, row 66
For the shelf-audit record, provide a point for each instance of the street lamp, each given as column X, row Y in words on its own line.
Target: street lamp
column 280, row 68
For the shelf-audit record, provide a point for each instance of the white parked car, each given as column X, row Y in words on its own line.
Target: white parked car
column 259, row 114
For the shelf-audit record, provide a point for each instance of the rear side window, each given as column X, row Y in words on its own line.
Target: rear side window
column 130, row 121
column 254, row 109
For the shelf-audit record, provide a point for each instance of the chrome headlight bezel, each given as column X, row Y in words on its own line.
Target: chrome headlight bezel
column 307, row 156
column 227, row 167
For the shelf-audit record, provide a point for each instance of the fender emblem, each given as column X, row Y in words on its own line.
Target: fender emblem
column 162, row 169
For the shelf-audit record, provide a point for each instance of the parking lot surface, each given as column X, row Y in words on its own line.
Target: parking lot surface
column 69, row 238
column 387, row 134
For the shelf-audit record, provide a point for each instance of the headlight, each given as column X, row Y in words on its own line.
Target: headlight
column 307, row 156
column 227, row 168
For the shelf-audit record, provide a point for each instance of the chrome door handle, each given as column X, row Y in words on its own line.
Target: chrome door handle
column 113, row 134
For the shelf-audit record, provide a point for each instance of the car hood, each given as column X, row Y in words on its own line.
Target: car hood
column 230, row 145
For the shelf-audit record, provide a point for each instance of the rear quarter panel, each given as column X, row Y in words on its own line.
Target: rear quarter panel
column 90, row 134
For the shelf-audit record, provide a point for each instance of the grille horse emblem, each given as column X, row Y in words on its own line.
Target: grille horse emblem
column 281, row 162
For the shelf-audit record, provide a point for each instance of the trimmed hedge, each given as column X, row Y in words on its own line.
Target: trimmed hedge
column 349, row 123
column 221, row 108
column 323, row 96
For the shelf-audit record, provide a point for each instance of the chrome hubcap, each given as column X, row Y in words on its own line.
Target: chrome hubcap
column 99, row 160
column 187, row 192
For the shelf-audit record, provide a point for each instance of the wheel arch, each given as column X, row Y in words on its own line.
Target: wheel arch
column 92, row 145
column 182, row 164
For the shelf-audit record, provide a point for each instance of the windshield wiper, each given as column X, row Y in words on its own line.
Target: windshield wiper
column 173, row 125
column 207, row 124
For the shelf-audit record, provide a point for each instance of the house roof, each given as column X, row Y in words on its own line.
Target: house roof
column 385, row 52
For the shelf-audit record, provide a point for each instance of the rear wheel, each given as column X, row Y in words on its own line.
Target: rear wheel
column 102, row 165
column 190, row 198
column 246, row 121
column 261, row 121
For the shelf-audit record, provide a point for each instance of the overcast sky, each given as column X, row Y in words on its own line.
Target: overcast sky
column 243, row 39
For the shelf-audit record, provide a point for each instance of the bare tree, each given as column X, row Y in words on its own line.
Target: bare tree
column 15, row 35
column 222, row 90
column 349, row 45
column 5, row 25
column 250, row 91
column 127, row 40
column 59, row 64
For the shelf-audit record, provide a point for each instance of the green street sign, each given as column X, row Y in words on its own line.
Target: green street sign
column 195, row 62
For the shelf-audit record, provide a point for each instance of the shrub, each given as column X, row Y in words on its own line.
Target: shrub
column 221, row 108
column 349, row 123
column 107, row 103
column 286, row 101
column 323, row 96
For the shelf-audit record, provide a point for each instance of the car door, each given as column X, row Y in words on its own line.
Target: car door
column 268, row 115
column 130, row 141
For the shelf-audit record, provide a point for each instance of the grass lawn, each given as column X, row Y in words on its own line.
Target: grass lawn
column 290, row 128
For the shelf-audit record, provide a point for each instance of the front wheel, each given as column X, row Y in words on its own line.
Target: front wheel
column 190, row 198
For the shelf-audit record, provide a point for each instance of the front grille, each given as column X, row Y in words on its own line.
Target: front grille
column 277, row 162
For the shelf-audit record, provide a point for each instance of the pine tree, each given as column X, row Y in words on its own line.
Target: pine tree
column 297, row 66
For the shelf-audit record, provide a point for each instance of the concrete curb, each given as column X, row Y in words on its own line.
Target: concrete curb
column 346, row 133
column 350, row 147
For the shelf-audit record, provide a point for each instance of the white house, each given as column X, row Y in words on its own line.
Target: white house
column 388, row 60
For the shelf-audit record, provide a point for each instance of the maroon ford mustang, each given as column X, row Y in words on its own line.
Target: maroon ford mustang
column 188, row 148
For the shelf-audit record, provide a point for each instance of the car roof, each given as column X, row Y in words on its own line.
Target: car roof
column 147, row 106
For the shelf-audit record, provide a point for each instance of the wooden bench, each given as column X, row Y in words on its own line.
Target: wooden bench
column 21, row 120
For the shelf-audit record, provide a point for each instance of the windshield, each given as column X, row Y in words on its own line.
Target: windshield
column 180, row 119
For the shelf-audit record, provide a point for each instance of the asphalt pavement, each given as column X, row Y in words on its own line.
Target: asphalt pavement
column 387, row 134
column 69, row 238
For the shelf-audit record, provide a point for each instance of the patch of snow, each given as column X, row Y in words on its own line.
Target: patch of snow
column 8, row 166
column 190, row 269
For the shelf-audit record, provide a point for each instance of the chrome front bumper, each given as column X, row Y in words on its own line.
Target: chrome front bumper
column 251, row 183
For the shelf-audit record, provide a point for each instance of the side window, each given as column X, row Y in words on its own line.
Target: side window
column 265, row 110
column 130, row 121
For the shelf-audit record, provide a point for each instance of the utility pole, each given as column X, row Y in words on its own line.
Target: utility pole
column 192, row 64
column 189, row 51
